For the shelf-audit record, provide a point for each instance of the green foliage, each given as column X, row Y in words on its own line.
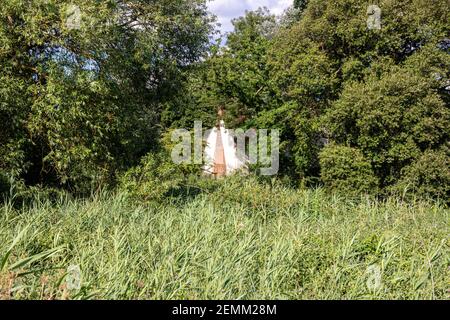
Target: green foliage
column 345, row 170
column 83, row 102
column 383, row 92
column 154, row 178
column 157, row 177
column 396, row 114
column 303, row 79
column 300, row 4
column 235, row 77
column 340, row 28
column 323, row 75
column 80, row 106
column 428, row 177
column 365, row 112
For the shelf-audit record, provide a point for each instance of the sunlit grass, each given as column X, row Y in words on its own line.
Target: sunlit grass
column 242, row 241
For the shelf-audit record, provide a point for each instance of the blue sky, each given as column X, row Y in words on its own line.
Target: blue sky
column 226, row 10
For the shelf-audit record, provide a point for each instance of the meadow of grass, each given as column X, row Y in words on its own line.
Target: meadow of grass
column 243, row 240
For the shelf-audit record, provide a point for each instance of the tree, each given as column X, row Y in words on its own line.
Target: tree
column 378, row 91
column 234, row 77
column 82, row 96
column 300, row 4
column 397, row 113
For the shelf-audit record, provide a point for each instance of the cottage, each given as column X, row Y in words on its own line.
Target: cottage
column 221, row 153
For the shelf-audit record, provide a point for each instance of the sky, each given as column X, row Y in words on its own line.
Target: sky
column 226, row 10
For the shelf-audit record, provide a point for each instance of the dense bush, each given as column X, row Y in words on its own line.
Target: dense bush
column 345, row 169
column 427, row 177
column 157, row 177
column 153, row 178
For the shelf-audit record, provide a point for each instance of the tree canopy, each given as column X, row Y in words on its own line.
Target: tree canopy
column 358, row 107
column 78, row 102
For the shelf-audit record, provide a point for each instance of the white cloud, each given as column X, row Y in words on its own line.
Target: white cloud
column 275, row 6
column 226, row 10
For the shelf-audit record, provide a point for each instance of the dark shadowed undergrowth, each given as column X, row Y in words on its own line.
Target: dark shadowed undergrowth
column 243, row 240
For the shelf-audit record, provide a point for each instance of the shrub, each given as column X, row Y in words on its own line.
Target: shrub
column 153, row 178
column 429, row 176
column 345, row 169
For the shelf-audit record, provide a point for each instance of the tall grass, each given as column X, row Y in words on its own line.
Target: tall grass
column 242, row 241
